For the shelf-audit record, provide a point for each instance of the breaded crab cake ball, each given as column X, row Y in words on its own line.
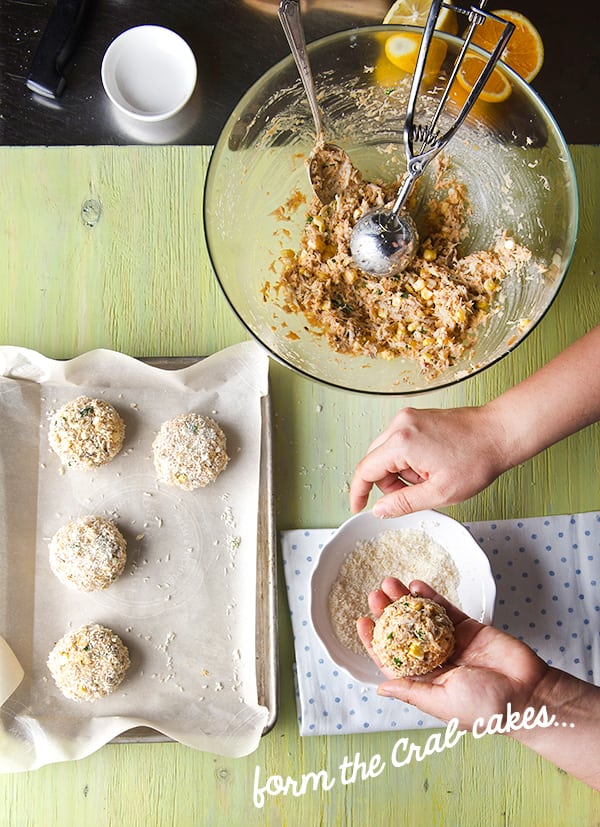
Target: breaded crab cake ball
column 86, row 432
column 413, row 635
column 190, row 451
column 89, row 663
column 88, row 554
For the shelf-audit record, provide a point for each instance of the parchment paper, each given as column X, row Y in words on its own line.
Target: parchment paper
column 185, row 604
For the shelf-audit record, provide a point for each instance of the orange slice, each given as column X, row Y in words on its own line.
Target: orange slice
column 525, row 50
column 497, row 88
column 402, row 50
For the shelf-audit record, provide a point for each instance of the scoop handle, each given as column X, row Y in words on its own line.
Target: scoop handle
column 291, row 23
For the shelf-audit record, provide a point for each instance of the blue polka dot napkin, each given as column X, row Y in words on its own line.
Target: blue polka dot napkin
column 547, row 571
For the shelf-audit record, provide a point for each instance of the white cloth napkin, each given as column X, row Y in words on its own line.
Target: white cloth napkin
column 547, row 572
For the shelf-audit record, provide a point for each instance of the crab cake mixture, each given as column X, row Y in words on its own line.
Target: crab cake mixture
column 86, row 432
column 413, row 636
column 88, row 554
column 429, row 313
column 89, row 663
column 190, row 451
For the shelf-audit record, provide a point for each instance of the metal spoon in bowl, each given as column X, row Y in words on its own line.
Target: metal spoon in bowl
column 329, row 167
column 384, row 241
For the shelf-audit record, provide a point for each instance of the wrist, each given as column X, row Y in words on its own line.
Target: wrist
column 569, row 711
column 499, row 436
column 547, row 694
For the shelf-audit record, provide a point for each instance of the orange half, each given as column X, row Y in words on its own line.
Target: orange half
column 498, row 86
column 525, row 50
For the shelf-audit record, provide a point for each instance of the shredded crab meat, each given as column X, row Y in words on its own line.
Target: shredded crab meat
column 429, row 313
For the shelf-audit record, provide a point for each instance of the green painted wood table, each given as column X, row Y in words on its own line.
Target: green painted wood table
column 135, row 277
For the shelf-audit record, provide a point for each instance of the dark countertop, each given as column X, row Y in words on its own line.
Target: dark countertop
column 234, row 42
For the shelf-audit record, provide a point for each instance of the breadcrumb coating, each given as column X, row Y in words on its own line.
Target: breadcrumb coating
column 88, row 554
column 86, row 432
column 89, row 663
column 190, row 451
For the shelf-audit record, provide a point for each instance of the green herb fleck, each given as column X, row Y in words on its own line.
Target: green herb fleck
column 340, row 304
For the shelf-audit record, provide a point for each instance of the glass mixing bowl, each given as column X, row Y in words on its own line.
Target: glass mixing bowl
column 510, row 155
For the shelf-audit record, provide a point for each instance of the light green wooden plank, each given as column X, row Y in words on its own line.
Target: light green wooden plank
column 140, row 281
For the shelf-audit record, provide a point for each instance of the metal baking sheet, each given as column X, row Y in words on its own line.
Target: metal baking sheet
column 266, row 579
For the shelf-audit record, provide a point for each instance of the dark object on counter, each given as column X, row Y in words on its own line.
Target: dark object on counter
column 56, row 47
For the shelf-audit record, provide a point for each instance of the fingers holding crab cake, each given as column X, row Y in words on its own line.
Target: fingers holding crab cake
column 190, row 451
column 89, row 663
column 86, row 433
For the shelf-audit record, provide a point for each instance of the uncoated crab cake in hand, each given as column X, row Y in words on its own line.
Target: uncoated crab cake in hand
column 86, row 432
column 89, row 663
column 88, row 554
column 190, row 451
column 412, row 636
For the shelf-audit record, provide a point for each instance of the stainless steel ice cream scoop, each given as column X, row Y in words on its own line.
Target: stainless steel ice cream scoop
column 384, row 241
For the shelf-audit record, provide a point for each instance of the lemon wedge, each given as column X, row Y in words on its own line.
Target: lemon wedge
column 414, row 13
column 402, row 50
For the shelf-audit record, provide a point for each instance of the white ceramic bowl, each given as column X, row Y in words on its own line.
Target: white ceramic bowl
column 149, row 72
column 476, row 591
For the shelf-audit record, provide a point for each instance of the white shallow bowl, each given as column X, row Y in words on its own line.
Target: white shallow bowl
column 476, row 591
column 149, row 72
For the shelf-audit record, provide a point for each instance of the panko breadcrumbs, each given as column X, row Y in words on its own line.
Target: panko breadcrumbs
column 413, row 636
column 190, row 451
column 88, row 554
column 429, row 313
column 86, row 432
column 89, row 663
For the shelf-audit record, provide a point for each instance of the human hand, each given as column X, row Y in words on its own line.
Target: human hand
column 429, row 458
column 487, row 670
